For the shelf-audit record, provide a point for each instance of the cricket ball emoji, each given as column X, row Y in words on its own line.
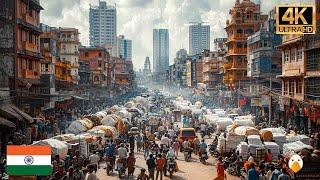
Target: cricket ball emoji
column 295, row 163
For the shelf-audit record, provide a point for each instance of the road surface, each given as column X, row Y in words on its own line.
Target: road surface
column 187, row 170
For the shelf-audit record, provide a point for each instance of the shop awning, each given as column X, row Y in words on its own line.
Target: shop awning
column 26, row 116
column 11, row 111
column 7, row 112
column 7, row 123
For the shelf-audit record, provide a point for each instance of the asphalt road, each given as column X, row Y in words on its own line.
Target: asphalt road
column 187, row 170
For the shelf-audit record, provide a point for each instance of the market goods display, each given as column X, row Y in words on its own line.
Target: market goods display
column 279, row 130
column 244, row 122
column 266, row 135
column 57, row 147
column 231, row 143
column 274, row 148
column 280, row 139
column 222, row 123
column 79, row 126
column 246, row 131
column 254, row 140
column 300, row 137
column 294, row 147
column 108, row 130
column 109, row 120
column 260, row 154
column 64, row 137
column 243, row 149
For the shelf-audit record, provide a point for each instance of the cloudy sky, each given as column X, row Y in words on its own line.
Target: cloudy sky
column 137, row 18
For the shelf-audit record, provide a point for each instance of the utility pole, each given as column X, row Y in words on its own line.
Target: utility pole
column 270, row 101
column 239, row 94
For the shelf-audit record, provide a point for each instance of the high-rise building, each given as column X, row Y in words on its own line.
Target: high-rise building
column 147, row 65
column 160, row 50
column 124, row 48
column 199, row 38
column 103, row 24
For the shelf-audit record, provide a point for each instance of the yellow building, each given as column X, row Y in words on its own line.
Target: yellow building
column 245, row 20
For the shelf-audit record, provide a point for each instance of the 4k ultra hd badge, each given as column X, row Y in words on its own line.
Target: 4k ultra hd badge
column 295, row 19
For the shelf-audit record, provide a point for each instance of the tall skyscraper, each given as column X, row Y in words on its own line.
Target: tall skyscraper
column 124, row 49
column 199, row 38
column 160, row 50
column 103, row 25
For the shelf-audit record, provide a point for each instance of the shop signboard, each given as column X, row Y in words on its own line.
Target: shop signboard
column 255, row 102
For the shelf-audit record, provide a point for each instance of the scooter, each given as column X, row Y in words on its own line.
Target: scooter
column 109, row 161
column 121, row 167
column 171, row 166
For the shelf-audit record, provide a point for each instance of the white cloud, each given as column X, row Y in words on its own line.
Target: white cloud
column 137, row 18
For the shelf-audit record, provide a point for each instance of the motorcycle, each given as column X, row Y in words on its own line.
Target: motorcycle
column 203, row 157
column 187, row 154
column 213, row 150
column 121, row 167
column 171, row 166
column 109, row 161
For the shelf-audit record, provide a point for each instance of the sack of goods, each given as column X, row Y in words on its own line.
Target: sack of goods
column 253, row 147
column 293, row 138
column 280, row 139
column 254, row 140
column 225, row 146
column 274, row 148
column 223, row 123
column 266, row 135
column 243, row 149
column 233, row 140
column 294, row 147
column 246, row 131
column 244, row 122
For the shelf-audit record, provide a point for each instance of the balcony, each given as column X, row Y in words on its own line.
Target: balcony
column 227, row 66
column 30, row 74
column 29, row 19
column 235, row 51
column 30, row 47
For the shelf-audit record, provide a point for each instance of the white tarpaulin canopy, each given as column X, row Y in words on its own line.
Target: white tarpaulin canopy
column 57, row 147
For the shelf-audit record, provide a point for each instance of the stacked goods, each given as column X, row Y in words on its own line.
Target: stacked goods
column 246, row 131
column 280, row 139
column 260, row 154
column 303, row 138
column 109, row 120
column 222, row 123
column 120, row 126
column 64, row 137
column 57, row 147
column 243, row 149
column 254, row 140
column 266, row 135
column 96, row 119
column 279, row 130
column 108, row 130
column 79, row 126
column 244, row 122
column 294, row 147
column 274, row 148
column 231, row 144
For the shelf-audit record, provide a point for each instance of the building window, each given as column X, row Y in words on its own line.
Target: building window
column 239, row 45
column 285, row 87
column 286, row 56
column 292, row 55
column 86, row 54
column 299, row 86
column 30, row 65
column 299, row 55
column 292, row 86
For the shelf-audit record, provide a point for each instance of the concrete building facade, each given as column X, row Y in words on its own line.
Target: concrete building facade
column 103, row 24
column 199, row 38
column 124, row 48
column 160, row 51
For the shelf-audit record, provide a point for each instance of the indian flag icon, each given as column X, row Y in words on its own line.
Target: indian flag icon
column 29, row 160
